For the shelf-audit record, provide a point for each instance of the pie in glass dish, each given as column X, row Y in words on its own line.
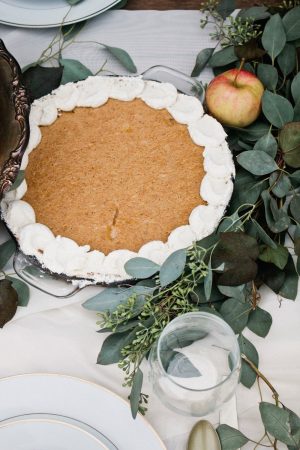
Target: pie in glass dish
column 117, row 167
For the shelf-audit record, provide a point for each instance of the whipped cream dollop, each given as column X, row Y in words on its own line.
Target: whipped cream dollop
column 63, row 255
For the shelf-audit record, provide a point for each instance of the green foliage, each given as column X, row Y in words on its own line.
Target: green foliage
column 7, row 249
column 123, row 57
column 274, row 37
column 8, row 302
column 18, row 180
column 268, row 75
column 248, row 376
column 172, row 268
column 22, row 290
column 202, row 59
column 141, row 267
column 41, row 81
column 276, row 422
column 277, row 109
column 73, row 71
column 291, row 22
column 259, row 322
column 257, row 162
column 231, row 439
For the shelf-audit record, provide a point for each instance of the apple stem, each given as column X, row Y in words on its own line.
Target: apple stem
column 239, row 69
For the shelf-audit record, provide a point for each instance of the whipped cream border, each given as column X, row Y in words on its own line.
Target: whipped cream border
column 64, row 256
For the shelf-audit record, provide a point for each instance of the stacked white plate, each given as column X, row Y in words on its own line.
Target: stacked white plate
column 56, row 412
column 50, row 13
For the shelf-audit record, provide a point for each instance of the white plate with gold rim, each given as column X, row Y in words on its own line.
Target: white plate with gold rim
column 50, row 13
column 81, row 400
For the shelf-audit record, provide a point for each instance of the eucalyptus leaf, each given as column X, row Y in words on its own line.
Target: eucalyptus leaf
column 295, row 178
column 287, row 59
column 268, row 144
column 123, row 57
column 141, row 267
column 135, row 393
column 7, row 249
column 289, row 287
column 225, row 7
column 280, row 184
column 276, row 422
column 274, row 38
column 248, row 376
column 247, row 189
column 297, row 112
column 70, row 31
column 291, row 22
column 268, row 75
column 255, row 13
column 260, row 322
column 179, row 365
column 73, row 71
column 257, row 162
column 8, row 302
column 272, row 276
column 295, row 87
column 280, row 216
column 295, row 207
column 74, row 2
column 22, row 290
column 18, row 180
column 236, row 292
column 231, row 439
column 278, row 256
column 231, row 223
column 254, row 131
column 222, row 57
column 172, row 268
column 110, row 352
column 41, row 81
column 289, row 141
column 277, row 109
column 208, row 280
column 263, row 235
column 202, row 59
column 235, row 313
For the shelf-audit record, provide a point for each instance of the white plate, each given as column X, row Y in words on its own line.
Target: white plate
column 80, row 400
column 33, row 434
column 50, row 13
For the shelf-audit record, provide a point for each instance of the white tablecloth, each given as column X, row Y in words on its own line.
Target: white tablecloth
column 59, row 336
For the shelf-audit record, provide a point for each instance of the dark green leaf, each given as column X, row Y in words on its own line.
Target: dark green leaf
column 291, row 22
column 255, row 13
column 231, row 439
column 278, row 256
column 268, row 144
column 41, row 81
column 297, row 112
column 295, row 207
column 271, row 276
column 123, row 57
column 22, row 290
column 280, row 184
column 7, row 249
column 172, row 268
column 70, row 31
column 135, row 393
column 231, row 223
column 202, row 59
column 74, row 2
column 263, row 235
column 260, row 322
column 235, row 313
column 208, row 283
column 236, row 292
column 198, row 295
column 222, row 57
column 297, row 246
column 110, row 352
column 268, row 75
column 277, row 109
column 295, row 88
column 253, row 132
column 8, row 302
column 73, row 71
column 248, row 376
column 276, row 422
column 289, row 287
column 225, row 7
column 295, row 178
column 18, row 180
column 280, row 216
column 257, row 162
column 294, row 423
column 141, row 267
column 274, row 38
column 289, row 141
column 246, row 189
column 249, row 51
column 287, row 59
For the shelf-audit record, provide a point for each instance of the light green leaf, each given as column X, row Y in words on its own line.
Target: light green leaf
column 268, row 144
column 110, row 352
column 255, row 13
column 257, row 162
column 276, row 422
column 135, row 393
column 268, row 75
column 123, row 57
column 73, row 71
column 141, row 267
column 70, row 31
column 263, row 235
column 8, row 301
column 291, row 22
column 278, row 256
column 202, row 59
column 231, row 439
column 287, row 59
column 289, row 287
column 223, row 57
column 260, row 322
column 236, row 292
column 172, row 268
column 18, row 180
column 280, row 184
column 274, row 38
column 7, row 249
column 295, row 207
column 235, row 313
column 248, row 376
column 289, row 141
column 295, row 87
column 22, row 290
column 208, row 283
column 277, row 109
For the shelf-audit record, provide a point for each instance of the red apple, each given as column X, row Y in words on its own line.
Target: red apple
column 234, row 98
